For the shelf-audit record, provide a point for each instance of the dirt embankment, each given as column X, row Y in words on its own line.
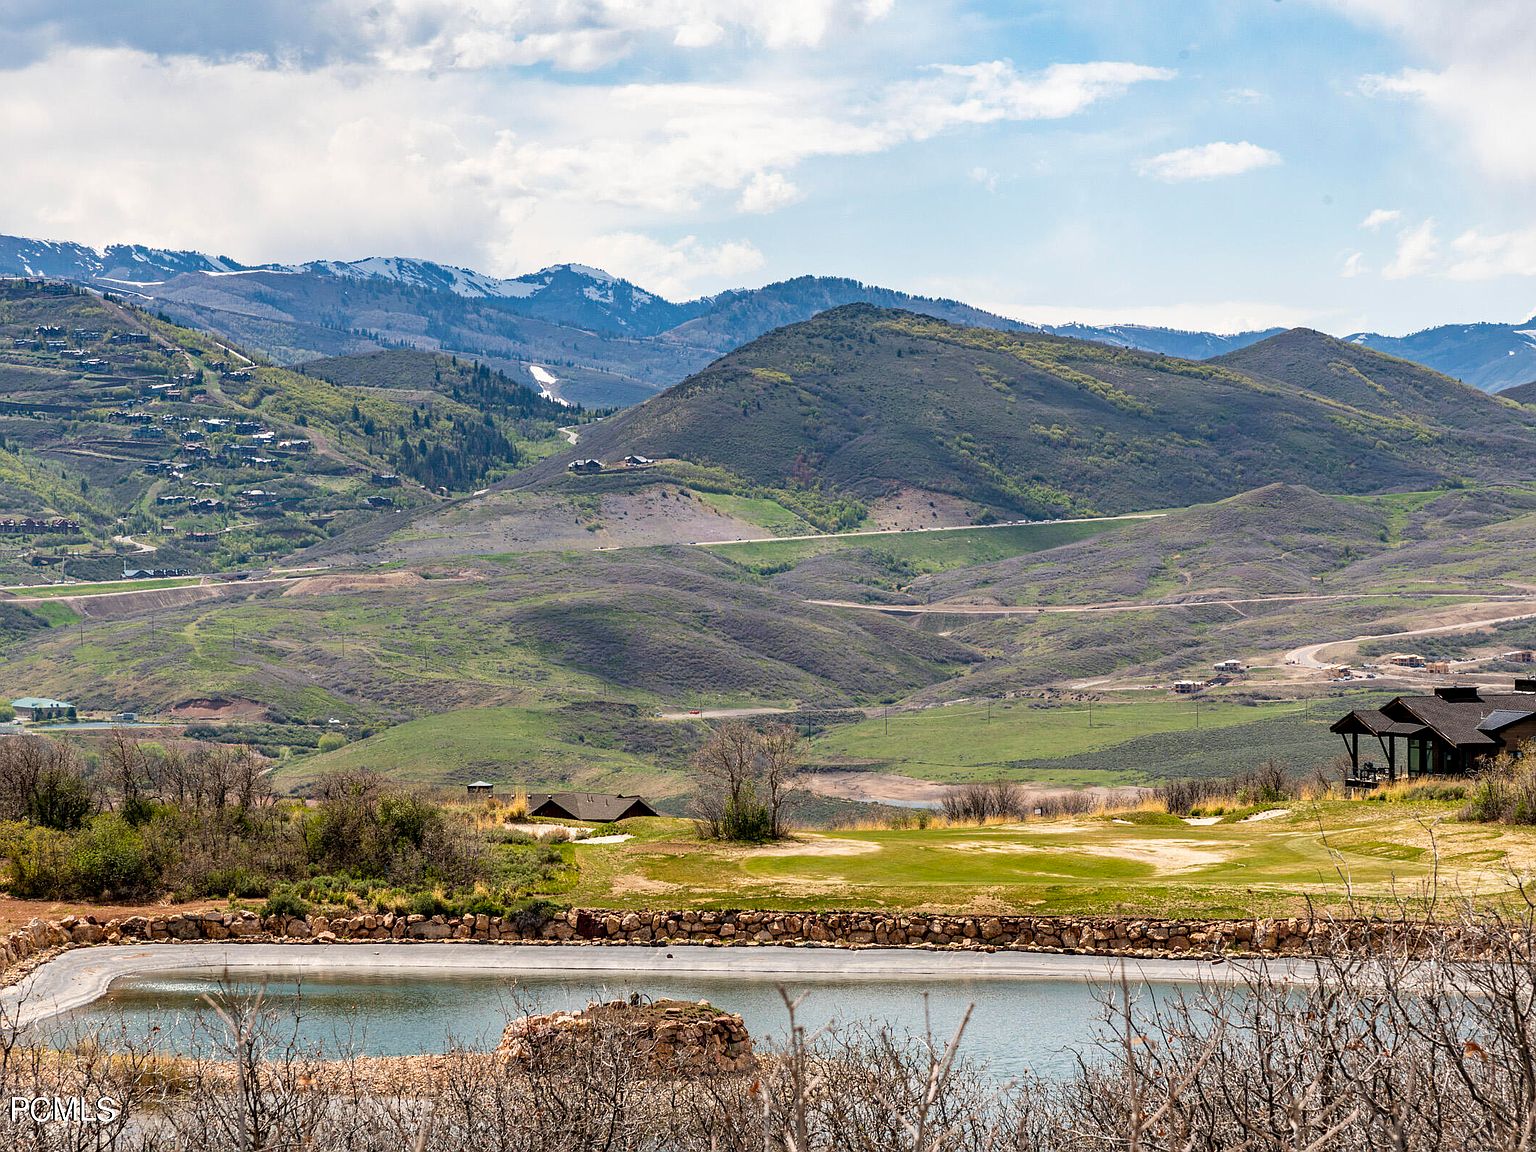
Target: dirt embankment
column 219, row 708
column 352, row 582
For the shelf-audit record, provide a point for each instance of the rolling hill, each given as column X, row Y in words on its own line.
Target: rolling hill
column 1491, row 356
column 155, row 447
column 862, row 402
column 1521, row 393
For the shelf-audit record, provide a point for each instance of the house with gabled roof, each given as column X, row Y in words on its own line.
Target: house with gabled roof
column 1451, row 732
column 594, row 807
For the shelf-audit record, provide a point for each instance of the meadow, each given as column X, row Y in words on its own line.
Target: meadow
column 590, row 748
column 976, row 741
column 99, row 588
column 1144, row 862
column 920, row 553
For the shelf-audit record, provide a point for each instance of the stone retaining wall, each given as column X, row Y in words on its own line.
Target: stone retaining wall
column 1096, row 935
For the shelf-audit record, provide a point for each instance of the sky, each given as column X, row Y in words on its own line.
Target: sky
column 1211, row 164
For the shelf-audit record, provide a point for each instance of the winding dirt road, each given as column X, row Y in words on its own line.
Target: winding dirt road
column 1309, row 655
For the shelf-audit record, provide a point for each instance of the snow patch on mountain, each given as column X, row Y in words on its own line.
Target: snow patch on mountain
column 546, row 380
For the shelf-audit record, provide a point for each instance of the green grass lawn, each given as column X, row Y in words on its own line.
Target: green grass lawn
column 922, row 552
column 510, row 747
column 25, row 590
column 769, row 515
column 960, row 742
column 1090, row 864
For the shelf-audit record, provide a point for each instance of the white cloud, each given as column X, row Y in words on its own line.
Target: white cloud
column 767, row 191
column 1409, row 83
column 1418, row 252
column 1379, row 216
column 1208, row 161
column 1245, row 96
column 957, row 94
column 670, row 269
column 421, row 35
column 1478, row 73
column 275, row 163
column 1487, row 256
column 1192, row 316
column 1354, row 265
column 985, row 177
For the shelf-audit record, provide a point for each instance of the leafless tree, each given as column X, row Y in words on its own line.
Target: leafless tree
column 746, row 778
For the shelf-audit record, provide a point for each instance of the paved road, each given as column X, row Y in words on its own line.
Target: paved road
column 78, row 977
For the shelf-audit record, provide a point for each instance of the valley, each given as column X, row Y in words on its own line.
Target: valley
column 942, row 553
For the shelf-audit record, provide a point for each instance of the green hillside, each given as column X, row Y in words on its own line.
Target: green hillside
column 681, row 628
column 160, row 448
column 863, row 401
column 1521, row 393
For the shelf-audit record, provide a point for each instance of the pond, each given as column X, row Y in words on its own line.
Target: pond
column 1017, row 1024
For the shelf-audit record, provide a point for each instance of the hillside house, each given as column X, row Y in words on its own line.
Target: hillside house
column 1450, row 732
column 1189, row 687
column 38, row 709
column 1230, row 667
column 637, row 461
column 593, row 807
column 584, row 467
column 480, row 790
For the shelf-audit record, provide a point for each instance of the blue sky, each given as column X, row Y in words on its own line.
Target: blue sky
column 1347, row 164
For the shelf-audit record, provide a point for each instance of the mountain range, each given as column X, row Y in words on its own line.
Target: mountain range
column 598, row 339
column 866, row 403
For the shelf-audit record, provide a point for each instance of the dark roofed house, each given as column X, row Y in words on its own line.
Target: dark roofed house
column 594, row 807
column 1449, row 733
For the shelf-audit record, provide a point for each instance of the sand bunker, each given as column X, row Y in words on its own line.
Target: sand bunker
column 820, row 846
column 1166, row 856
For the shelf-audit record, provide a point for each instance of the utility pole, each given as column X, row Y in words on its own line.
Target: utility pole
column 887, row 731
column 1090, row 711
column 989, row 711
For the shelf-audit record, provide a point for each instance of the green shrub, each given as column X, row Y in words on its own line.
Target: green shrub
column 284, row 901
column 747, row 820
column 330, row 742
column 111, row 861
column 235, row 881
column 60, row 800
column 429, row 904
column 38, row 860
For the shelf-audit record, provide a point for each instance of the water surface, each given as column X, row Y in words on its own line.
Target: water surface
column 1016, row 1024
